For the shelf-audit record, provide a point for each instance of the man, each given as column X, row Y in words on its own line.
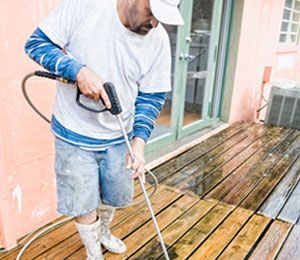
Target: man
column 92, row 42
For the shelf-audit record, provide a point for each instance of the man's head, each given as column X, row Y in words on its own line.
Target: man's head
column 143, row 15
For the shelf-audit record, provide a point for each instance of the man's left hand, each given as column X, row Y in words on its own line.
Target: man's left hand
column 138, row 163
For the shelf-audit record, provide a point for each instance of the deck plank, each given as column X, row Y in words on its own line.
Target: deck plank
column 272, row 241
column 291, row 248
column 256, row 198
column 215, row 244
column 225, row 187
column 281, row 193
column 267, row 163
column 198, row 233
column 179, row 162
column 205, row 179
column 241, row 162
column 246, row 238
column 161, row 200
column 147, row 232
column 291, row 211
column 209, row 161
column 45, row 242
column 172, row 233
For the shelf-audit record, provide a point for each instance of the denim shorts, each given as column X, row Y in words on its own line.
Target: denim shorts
column 84, row 179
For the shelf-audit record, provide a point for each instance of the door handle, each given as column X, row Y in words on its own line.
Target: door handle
column 186, row 56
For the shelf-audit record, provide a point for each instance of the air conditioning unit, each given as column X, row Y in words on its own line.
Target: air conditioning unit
column 284, row 105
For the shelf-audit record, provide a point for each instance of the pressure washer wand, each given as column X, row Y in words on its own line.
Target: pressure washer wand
column 141, row 180
column 116, row 110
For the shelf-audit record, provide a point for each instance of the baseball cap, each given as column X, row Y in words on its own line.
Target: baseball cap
column 166, row 11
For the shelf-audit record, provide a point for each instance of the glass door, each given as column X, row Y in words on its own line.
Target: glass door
column 194, row 49
column 200, row 55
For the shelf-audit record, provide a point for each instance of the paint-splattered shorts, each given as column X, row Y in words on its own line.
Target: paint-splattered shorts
column 85, row 179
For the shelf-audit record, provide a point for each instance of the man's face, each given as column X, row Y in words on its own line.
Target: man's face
column 140, row 18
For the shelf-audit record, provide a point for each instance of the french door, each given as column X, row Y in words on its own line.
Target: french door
column 195, row 51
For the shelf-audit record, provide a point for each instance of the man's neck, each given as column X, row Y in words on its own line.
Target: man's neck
column 121, row 7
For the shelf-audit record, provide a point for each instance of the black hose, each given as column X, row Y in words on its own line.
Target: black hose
column 27, row 97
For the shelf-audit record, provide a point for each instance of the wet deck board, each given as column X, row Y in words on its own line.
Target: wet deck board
column 233, row 196
column 281, row 193
column 248, row 168
column 162, row 172
column 265, row 187
column 207, row 163
column 250, row 181
column 216, row 243
column 147, row 232
column 219, row 163
column 235, row 168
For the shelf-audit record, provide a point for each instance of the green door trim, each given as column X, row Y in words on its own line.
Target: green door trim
column 211, row 67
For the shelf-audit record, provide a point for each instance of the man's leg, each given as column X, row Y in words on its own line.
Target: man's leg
column 88, row 227
column 116, row 190
column 87, row 219
column 77, row 178
column 108, row 240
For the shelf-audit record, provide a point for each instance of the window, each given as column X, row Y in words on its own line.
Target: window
column 289, row 32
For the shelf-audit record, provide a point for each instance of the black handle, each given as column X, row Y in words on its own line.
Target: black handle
column 113, row 98
column 108, row 86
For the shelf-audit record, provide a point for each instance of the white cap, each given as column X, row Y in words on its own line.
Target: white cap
column 166, row 11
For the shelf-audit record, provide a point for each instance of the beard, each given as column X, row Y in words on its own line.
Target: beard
column 143, row 28
column 135, row 25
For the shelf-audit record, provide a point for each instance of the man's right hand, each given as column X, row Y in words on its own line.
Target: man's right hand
column 91, row 85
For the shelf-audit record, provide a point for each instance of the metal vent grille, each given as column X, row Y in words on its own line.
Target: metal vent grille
column 284, row 107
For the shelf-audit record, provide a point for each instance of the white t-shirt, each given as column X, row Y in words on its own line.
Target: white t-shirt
column 92, row 33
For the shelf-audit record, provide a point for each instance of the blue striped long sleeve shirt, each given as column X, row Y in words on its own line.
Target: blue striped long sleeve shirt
column 50, row 56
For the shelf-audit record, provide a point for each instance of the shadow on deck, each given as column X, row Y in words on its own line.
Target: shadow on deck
column 235, row 195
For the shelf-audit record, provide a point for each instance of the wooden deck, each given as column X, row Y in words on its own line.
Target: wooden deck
column 234, row 196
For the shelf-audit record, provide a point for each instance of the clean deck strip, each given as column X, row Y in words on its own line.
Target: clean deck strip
column 173, row 232
column 133, row 221
column 233, row 196
column 246, row 238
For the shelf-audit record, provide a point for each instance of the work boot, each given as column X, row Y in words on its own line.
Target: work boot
column 90, row 237
column 108, row 240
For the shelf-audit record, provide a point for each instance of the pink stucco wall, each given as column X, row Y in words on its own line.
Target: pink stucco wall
column 259, row 47
column 27, row 188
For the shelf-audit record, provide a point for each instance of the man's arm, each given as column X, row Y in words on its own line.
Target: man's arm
column 50, row 56
column 147, row 109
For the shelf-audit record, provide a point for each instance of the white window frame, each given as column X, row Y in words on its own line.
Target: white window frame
column 288, row 40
